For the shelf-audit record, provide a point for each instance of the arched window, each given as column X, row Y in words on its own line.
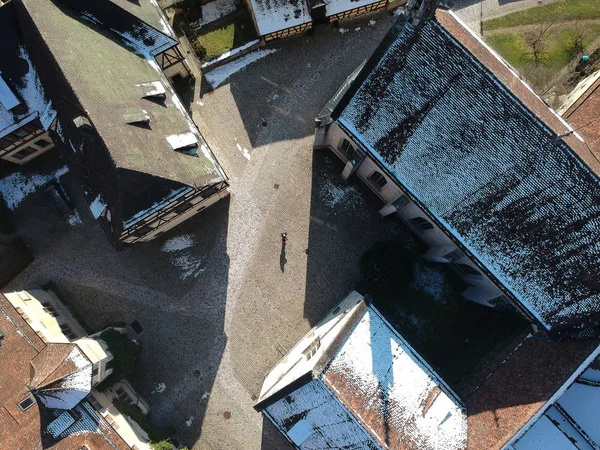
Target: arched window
column 377, row 178
column 421, row 224
column 347, row 149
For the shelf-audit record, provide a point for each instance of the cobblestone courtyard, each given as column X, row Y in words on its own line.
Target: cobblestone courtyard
column 216, row 307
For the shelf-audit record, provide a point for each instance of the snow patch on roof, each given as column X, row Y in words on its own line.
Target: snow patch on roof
column 218, row 76
column 171, row 197
column 16, row 187
column 214, row 11
column 182, row 140
column 98, row 206
column 276, row 15
column 382, row 379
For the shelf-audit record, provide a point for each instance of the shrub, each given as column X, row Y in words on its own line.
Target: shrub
column 125, row 355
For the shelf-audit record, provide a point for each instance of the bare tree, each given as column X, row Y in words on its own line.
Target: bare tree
column 537, row 41
column 578, row 37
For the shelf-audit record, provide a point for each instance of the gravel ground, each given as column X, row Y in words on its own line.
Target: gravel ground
column 217, row 309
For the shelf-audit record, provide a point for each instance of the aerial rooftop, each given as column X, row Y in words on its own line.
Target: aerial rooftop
column 59, row 377
column 482, row 155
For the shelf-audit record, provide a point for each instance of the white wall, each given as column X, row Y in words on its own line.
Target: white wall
column 331, row 136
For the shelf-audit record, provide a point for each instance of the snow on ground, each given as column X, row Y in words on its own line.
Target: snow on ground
column 205, row 395
column 189, row 265
column 340, row 196
column 160, row 388
column 214, row 11
column 188, row 423
column 430, row 280
column 178, row 243
column 372, row 22
column 342, row 30
column 15, row 187
column 74, row 219
column 217, row 76
column 243, row 151
column 97, row 206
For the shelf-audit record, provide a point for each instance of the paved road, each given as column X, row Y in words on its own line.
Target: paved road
column 220, row 312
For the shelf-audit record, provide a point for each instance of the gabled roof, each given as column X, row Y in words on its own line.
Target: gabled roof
column 479, row 151
column 369, row 389
column 276, row 15
column 54, row 365
column 19, row 80
column 584, row 115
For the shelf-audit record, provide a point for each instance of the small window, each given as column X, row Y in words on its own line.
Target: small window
column 310, row 351
column 454, row 255
column 97, row 406
column 67, row 332
column 183, row 207
column 95, row 371
column 347, row 148
column 421, row 224
column 4, row 143
column 467, row 270
column 20, row 133
column 24, row 153
column 123, row 396
column 26, row 404
column 378, row 179
column 42, row 143
column 401, row 202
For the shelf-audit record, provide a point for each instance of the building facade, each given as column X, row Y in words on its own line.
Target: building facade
column 460, row 148
column 49, row 377
column 107, row 101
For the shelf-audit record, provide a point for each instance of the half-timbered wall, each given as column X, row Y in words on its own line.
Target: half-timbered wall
column 288, row 32
column 172, row 62
column 359, row 11
column 179, row 210
column 25, row 143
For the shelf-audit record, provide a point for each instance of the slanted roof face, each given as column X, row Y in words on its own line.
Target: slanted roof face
column 377, row 381
column 148, row 11
column 22, row 97
column 486, row 167
column 583, row 116
column 276, row 15
column 54, row 365
column 571, row 421
column 105, row 74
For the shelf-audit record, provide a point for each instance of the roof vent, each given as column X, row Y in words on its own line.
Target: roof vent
column 136, row 116
column 184, row 142
column 7, row 97
column 154, row 89
column 82, row 122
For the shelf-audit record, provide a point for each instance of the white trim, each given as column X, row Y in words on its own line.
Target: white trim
column 552, row 399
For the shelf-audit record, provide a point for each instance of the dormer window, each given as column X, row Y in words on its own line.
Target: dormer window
column 185, row 143
column 152, row 89
column 7, row 97
column 26, row 404
column 136, row 117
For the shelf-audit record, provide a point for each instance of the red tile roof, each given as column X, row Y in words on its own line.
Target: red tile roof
column 21, row 429
column 516, row 384
column 584, row 116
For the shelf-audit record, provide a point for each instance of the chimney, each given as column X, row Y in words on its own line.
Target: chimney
column 419, row 10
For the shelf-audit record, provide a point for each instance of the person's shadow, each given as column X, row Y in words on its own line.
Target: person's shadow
column 282, row 259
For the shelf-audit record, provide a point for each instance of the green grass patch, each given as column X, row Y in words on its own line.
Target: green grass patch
column 514, row 46
column 220, row 40
column 424, row 303
column 560, row 11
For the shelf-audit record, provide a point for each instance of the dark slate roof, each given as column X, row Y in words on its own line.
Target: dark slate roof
column 109, row 53
column 479, row 151
column 19, row 78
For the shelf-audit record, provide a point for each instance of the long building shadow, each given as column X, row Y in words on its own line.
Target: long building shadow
column 279, row 96
column 174, row 287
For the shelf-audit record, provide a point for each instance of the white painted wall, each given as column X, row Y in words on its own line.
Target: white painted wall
column 331, row 137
